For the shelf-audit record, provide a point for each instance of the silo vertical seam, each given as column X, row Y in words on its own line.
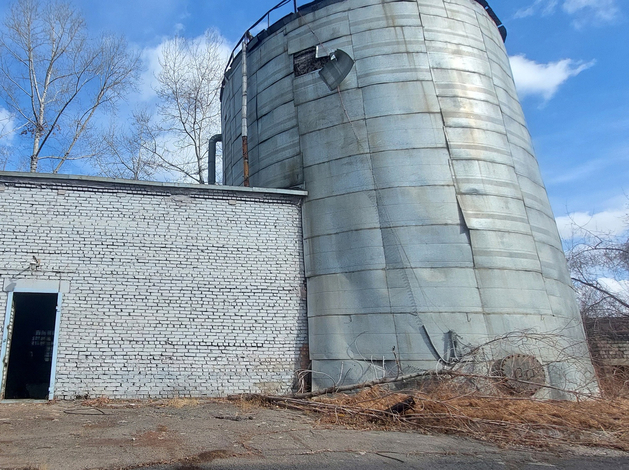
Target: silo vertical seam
column 406, row 263
column 541, row 270
column 376, row 196
column 457, row 194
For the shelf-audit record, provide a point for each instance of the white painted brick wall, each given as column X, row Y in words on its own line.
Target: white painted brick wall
column 174, row 291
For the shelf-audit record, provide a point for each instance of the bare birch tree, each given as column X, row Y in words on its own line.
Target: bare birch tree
column 599, row 266
column 4, row 157
column 189, row 108
column 130, row 153
column 54, row 79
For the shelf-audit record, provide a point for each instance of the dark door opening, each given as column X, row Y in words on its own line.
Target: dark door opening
column 31, row 346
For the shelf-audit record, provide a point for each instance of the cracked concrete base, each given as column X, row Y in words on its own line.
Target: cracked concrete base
column 216, row 435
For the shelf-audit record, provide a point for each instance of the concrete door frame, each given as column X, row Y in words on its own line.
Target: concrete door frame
column 26, row 286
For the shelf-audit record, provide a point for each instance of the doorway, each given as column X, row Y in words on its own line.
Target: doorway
column 31, row 345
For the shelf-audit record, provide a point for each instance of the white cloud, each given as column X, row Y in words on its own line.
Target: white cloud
column 583, row 11
column 609, row 222
column 7, row 125
column 532, row 78
column 620, row 288
column 574, row 173
column 151, row 57
column 148, row 80
column 546, row 7
column 603, row 11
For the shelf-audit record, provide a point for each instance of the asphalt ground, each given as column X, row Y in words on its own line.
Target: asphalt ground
column 188, row 435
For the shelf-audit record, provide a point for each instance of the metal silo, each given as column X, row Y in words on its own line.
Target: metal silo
column 427, row 228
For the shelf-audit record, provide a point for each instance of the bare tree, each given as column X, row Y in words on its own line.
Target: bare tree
column 599, row 266
column 189, row 108
column 6, row 124
column 129, row 153
column 54, row 78
column 4, row 157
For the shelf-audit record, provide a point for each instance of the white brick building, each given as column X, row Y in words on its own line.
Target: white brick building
column 162, row 290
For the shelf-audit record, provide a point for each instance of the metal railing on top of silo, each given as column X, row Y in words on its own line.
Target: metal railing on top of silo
column 320, row 3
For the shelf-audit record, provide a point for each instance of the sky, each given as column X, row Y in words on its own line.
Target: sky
column 570, row 59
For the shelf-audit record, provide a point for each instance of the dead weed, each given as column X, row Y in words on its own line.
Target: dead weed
column 503, row 420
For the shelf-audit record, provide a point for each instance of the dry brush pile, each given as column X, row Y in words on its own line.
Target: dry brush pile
column 446, row 408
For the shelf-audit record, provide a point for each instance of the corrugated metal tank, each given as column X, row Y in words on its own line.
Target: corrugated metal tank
column 427, row 223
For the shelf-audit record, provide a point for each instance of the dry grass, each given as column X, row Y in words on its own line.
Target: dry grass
column 182, row 402
column 97, row 402
column 506, row 421
column 614, row 381
column 248, row 403
column 448, row 406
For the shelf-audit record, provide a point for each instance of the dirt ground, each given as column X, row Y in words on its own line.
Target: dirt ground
column 188, row 434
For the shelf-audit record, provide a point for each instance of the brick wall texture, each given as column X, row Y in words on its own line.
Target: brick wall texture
column 174, row 291
column 610, row 352
column 608, row 338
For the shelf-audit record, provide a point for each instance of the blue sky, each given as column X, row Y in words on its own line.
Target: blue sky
column 570, row 58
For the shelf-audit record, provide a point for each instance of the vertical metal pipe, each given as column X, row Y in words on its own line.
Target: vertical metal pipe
column 211, row 158
column 295, row 5
column 245, row 144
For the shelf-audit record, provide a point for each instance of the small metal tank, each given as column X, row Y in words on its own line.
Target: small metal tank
column 427, row 228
